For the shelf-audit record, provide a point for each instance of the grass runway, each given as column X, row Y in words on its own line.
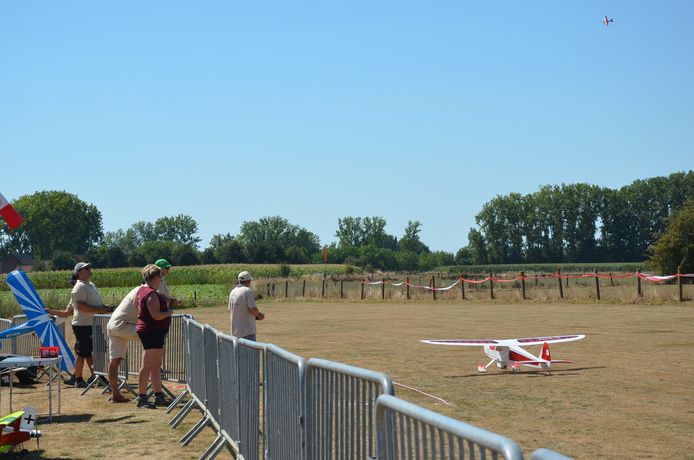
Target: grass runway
column 628, row 394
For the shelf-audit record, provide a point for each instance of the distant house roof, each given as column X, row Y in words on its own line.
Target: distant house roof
column 15, row 260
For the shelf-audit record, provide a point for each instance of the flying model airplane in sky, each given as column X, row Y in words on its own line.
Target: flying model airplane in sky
column 511, row 352
column 607, row 21
column 17, row 428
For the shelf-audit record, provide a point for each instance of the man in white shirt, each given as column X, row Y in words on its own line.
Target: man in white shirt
column 243, row 309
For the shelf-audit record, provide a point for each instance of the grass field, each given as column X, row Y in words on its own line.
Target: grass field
column 628, row 395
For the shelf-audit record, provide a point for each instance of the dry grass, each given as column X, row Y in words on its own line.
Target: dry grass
column 627, row 395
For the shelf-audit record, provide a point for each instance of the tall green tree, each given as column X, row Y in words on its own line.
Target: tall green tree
column 274, row 240
column 675, row 246
column 53, row 221
column 410, row 241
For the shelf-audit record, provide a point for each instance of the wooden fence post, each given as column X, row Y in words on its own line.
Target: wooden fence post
column 462, row 287
column 362, row 290
column 612, row 280
column 433, row 287
column 679, row 282
column 597, row 283
column 342, row 283
column 322, row 291
column 383, row 289
column 561, row 289
column 195, row 296
column 537, row 280
column 567, row 280
column 407, row 289
column 286, row 288
column 303, row 289
column 523, row 285
column 491, row 286
column 638, row 282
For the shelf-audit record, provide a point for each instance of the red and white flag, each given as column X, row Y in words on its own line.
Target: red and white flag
column 8, row 213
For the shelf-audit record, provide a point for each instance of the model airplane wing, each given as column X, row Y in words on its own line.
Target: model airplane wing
column 33, row 307
column 462, row 342
column 523, row 342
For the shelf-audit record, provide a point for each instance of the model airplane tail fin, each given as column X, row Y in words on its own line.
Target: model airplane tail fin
column 546, row 355
column 28, row 419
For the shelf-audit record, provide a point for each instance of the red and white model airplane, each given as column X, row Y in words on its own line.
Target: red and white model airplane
column 607, row 21
column 510, row 352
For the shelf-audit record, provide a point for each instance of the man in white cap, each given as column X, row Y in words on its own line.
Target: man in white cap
column 244, row 312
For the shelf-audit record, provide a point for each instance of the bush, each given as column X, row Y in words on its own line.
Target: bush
column 62, row 260
column 285, row 270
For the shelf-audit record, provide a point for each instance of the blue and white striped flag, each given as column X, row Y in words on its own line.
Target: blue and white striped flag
column 35, row 310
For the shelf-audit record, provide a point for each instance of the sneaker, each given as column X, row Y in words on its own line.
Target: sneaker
column 71, row 381
column 161, row 400
column 91, row 379
column 143, row 403
column 80, row 383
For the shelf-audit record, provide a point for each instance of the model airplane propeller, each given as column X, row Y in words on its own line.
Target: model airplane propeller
column 511, row 352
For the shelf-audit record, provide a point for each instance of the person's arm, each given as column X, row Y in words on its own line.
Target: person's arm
column 252, row 308
column 154, row 308
column 61, row 313
column 86, row 308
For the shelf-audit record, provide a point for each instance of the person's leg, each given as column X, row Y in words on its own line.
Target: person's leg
column 90, row 364
column 145, row 370
column 155, row 371
column 116, row 395
column 79, row 366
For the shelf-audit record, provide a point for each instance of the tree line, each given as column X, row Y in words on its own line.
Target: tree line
column 564, row 223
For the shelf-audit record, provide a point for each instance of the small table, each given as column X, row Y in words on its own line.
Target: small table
column 15, row 362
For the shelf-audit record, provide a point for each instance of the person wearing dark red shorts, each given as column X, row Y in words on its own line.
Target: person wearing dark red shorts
column 153, row 321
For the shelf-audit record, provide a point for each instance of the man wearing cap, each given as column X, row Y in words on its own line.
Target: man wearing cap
column 244, row 312
column 164, row 290
column 85, row 303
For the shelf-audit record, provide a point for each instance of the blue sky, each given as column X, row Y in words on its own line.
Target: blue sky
column 230, row 111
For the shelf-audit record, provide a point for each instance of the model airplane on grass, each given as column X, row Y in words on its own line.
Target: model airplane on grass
column 17, row 428
column 511, row 352
column 38, row 319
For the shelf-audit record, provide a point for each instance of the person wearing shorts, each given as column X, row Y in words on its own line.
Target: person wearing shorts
column 120, row 330
column 242, row 308
column 85, row 302
column 153, row 321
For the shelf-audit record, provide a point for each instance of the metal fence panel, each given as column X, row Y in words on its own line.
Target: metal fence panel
column 284, row 391
column 211, row 373
column 28, row 344
column 197, row 364
column 341, row 410
column 409, row 432
column 100, row 344
column 250, row 375
column 228, row 385
column 174, row 363
column 6, row 344
column 546, row 454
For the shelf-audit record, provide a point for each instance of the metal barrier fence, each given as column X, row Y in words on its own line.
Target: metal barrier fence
column 267, row 403
column 28, row 344
column 284, row 397
column 5, row 344
column 409, row 432
column 340, row 410
column 250, row 374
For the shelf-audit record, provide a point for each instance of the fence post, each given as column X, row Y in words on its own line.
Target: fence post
column 567, row 280
column 433, row 287
column 462, row 287
column 407, row 289
column 523, row 285
column 561, row 289
column 195, row 297
column 638, row 282
column 679, row 282
column 342, row 282
column 491, row 285
column 383, row 289
column 303, row 289
column 322, row 290
column 597, row 283
column 537, row 280
column 362, row 290
column 286, row 288
column 612, row 279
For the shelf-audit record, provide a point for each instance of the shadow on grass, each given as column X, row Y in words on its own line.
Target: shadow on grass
column 41, row 453
column 112, row 420
column 72, row 418
column 537, row 373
